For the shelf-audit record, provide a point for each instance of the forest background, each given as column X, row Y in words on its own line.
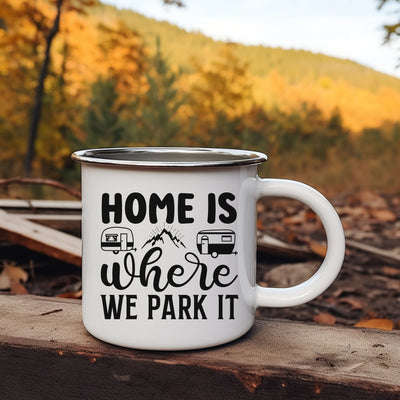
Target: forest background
column 79, row 74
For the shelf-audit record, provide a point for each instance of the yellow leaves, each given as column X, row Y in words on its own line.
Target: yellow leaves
column 71, row 295
column 371, row 323
column 325, row 82
column 318, row 248
column 360, row 108
column 376, row 323
column 223, row 86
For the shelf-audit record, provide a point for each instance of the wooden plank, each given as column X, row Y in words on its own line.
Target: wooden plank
column 58, row 214
column 45, row 240
column 51, row 217
column 270, row 245
column 40, row 204
column 46, row 353
column 69, row 223
column 387, row 255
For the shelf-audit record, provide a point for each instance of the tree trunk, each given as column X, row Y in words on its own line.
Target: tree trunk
column 39, row 92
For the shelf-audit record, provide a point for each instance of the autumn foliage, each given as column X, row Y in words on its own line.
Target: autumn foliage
column 110, row 83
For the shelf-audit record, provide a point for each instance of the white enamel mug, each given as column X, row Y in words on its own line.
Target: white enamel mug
column 169, row 245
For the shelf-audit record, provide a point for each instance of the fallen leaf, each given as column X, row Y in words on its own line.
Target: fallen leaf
column 4, row 280
column 392, row 233
column 355, row 304
column 372, row 200
column 16, row 274
column 278, row 228
column 396, row 201
column 12, row 275
column 391, row 283
column 296, row 219
column 391, row 271
column 260, row 208
column 287, row 275
column 383, row 215
column 318, row 248
column 292, row 237
column 324, row 318
column 358, row 234
column 354, row 212
column 377, row 323
column 260, row 225
column 344, row 291
column 18, row 288
column 310, row 215
column 71, row 295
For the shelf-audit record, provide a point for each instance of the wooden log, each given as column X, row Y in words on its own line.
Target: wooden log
column 57, row 214
column 45, row 353
column 69, row 223
column 270, row 245
column 45, row 240
column 392, row 256
column 18, row 204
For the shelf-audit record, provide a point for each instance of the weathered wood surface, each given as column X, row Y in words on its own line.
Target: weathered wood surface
column 45, row 353
column 31, row 205
column 67, row 223
column 45, row 240
column 387, row 255
column 270, row 245
column 57, row 214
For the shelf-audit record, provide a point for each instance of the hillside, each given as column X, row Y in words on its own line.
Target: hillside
column 116, row 78
column 294, row 65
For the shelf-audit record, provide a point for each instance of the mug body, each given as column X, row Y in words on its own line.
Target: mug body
column 169, row 247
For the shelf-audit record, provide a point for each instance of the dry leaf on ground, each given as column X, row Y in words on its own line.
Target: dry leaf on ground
column 71, row 295
column 371, row 200
column 318, row 248
column 18, row 288
column 391, row 271
column 354, row 303
column 12, row 275
column 383, row 215
column 377, row 323
column 296, row 219
column 287, row 275
column 324, row 318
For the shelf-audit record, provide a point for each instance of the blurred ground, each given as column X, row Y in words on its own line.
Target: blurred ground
column 368, row 286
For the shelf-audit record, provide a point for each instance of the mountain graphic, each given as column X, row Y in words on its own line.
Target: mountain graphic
column 160, row 237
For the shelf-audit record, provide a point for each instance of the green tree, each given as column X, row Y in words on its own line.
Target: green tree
column 158, row 121
column 219, row 99
column 102, row 123
column 307, row 134
column 330, row 135
column 372, row 143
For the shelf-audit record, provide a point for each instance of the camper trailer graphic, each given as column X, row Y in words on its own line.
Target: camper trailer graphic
column 216, row 241
column 117, row 239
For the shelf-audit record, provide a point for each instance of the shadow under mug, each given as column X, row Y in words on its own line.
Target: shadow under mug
column 169, row 245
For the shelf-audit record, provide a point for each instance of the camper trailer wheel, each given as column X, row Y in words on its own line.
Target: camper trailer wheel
column 214, row 254
column 115, row 251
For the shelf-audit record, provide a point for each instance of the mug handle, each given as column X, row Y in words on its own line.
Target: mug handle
column 331, row 265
